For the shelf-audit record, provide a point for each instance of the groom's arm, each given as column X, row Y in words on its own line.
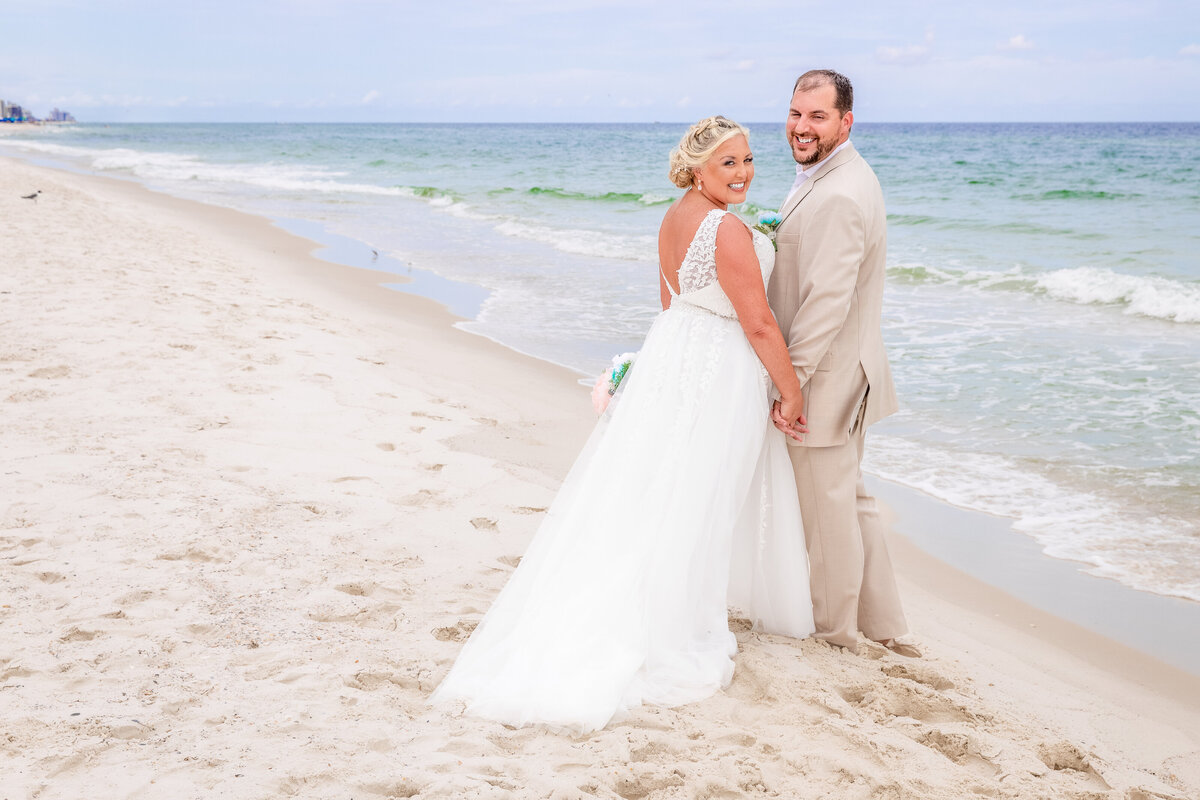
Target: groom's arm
column 832, row 247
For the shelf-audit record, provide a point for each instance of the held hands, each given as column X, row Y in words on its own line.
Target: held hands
column 788, row 416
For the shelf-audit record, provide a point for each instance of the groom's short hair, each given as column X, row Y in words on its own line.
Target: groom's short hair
column 844, row 91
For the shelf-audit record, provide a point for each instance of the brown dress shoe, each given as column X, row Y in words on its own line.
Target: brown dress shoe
column 901, row 649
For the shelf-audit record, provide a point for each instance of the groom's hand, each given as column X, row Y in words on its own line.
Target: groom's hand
column 790, row 429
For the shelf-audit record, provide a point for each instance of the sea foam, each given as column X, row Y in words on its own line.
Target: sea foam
column 1142, row 295
column 188, row 168
column 582, row 242
column 1147, row 295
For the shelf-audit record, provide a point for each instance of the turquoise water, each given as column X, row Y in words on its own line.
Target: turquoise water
column 1042, row 315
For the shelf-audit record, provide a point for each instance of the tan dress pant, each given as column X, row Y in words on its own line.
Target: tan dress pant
column 853, row 586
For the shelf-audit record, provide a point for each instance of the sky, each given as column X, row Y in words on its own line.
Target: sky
column 597, row 60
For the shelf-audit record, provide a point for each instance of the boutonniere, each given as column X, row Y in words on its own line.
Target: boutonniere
column 768, row 224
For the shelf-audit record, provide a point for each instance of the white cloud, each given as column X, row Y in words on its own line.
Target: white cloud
column 85, row 100
column 1190, row 50
column 370, row 97
column 910, row 54
column 744, row 66
column 636, row 102
column 684, row 102
column 1018, row 42
column 906, row 54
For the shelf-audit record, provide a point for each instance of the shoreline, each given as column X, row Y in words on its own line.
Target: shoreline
column 988, row 550
column 392, row 364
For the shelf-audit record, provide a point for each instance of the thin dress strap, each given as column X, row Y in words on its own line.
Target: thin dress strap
column 667, row 281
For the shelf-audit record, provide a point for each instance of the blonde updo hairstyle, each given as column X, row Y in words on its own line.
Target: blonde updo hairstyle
column 697, row 146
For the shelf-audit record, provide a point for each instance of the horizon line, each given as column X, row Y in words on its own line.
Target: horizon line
column 595, row 122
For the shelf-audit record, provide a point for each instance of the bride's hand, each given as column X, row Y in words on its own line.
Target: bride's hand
column 788, row 416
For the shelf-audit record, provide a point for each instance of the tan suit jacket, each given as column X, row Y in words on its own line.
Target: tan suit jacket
column 827, row 295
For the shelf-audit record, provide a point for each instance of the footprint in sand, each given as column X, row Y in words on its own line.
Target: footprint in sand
column 400, row 788
column 635, row 788
column 920, row 674
column 420, row 498
column 194, row 553
column 75, row 634
column 371, row 681
column 484, row 524
column 27, row 396
column 60, row 371
column 357, row 588
column 962, row 749
column 455, row 633
column 1062, row 756
column 903, row 698
column 14, row 670
column 135, row 597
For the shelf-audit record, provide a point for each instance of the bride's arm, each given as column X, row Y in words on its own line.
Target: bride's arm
column 741, row 279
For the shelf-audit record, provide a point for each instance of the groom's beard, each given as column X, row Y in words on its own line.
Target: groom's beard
column 823, row 149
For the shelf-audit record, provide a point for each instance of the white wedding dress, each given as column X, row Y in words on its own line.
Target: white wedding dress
column 681, row 505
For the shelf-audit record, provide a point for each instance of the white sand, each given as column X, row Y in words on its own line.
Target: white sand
column 251, row 504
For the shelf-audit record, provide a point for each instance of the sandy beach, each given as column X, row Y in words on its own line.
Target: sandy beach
column 252, row 503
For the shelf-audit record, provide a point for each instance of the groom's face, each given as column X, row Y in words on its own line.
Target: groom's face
column 815, row 126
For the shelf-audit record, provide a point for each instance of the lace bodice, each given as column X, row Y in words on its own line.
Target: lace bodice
column 698, row 286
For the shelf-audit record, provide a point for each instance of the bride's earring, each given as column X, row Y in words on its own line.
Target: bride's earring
column 699, row 186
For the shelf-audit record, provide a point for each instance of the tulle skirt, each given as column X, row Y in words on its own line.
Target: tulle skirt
column 681, row 504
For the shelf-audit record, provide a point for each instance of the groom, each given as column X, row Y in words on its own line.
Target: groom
column 827, row 294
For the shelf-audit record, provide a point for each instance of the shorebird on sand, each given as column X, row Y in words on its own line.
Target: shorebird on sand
column 32, row 197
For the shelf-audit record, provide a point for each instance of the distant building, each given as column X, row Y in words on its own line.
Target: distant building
column 13, row 112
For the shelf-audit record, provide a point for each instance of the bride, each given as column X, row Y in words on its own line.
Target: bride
column 682, row 502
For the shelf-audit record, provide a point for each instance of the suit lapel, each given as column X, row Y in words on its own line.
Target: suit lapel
column 795, row 199
column 844, row 156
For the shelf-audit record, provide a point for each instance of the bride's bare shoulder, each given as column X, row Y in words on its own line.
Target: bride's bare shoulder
column 681, row 220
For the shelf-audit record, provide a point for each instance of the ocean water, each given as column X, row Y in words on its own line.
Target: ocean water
column 1042, row 312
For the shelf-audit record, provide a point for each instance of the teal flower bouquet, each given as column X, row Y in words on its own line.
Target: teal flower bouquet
column 610, row 379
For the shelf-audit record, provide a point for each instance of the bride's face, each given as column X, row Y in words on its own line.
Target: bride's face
column 725, row 178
